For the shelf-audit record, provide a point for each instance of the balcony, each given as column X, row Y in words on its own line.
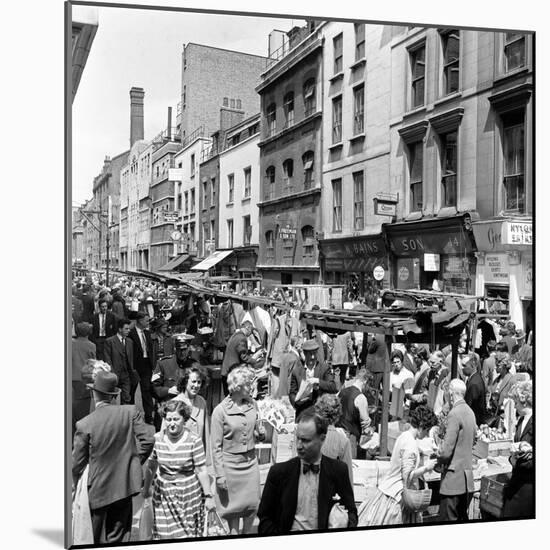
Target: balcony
column 166, row 136
column 284, row 58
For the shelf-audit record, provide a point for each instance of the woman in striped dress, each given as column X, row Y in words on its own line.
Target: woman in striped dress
column 181, row 486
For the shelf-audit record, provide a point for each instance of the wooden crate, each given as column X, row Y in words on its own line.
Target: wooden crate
column 491, row 494
column 263, row 453
column 484, row 449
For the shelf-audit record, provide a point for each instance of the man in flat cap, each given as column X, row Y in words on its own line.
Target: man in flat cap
column 311, row 380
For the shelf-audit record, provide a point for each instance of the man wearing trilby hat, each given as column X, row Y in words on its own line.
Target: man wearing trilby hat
column 115, row 442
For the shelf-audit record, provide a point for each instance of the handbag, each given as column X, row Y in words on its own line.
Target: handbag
column 416, row 500
column 145, row 529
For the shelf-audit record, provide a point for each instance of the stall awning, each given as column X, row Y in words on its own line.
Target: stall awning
column 212, row 260
column 174, row 262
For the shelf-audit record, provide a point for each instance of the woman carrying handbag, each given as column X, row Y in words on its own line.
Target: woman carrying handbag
column 398, row 499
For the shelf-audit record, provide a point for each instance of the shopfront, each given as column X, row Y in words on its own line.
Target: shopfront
column 358, row 263
column 436, row 254
column 504, row 273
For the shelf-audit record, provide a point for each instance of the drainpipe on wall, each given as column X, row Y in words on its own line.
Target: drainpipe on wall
column 321, row 203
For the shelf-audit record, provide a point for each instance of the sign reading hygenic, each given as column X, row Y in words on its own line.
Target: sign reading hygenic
column 496, row 269
column 172, row 217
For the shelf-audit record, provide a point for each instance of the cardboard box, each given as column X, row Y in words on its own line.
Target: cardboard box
column 499, row 447
column 283, row 445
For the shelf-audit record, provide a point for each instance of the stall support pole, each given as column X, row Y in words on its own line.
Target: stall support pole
column 454, row 359
column 385, row 401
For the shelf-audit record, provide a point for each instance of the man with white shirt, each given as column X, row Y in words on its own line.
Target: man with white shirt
column 103, row 327
column 299, row 493
column 141, row 338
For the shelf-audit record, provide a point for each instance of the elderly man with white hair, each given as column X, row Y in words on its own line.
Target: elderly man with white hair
column 455, row 457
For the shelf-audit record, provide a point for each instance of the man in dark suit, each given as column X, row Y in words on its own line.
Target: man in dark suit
column 236, row 352
column 103, row 327
column 476, row 395
column 119, row 353
column 377, row 357
column 299, row 493
column 311, row 380
column 143, row 353
column 115, row 442
column 455, row 457
column 88, row 304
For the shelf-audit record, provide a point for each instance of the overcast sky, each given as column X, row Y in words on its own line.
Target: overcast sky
column 135, row 47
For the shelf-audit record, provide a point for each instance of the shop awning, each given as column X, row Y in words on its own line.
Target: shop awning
column 212, row 260
column 174, row 262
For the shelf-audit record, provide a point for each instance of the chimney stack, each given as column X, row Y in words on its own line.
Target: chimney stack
column 136, row 114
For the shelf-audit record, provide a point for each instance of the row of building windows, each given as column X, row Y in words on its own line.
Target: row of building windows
column 310, row 105
column 247, row 175
column 358, row 202
column 289, row 178
column 308, row 243
column 513, row 146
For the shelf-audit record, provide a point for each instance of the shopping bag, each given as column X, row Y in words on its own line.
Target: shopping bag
column 82, row 518
column 213, row 525
column 338, row 517
column 145, row 528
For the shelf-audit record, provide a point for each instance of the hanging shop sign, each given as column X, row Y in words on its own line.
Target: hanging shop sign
column 431, row 262
column 385, row 204
column 175, row 174
column 496, row 269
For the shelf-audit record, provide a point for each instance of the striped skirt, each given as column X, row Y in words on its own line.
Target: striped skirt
column 178, row 507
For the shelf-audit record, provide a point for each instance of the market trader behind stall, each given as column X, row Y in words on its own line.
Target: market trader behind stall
column 310, row 381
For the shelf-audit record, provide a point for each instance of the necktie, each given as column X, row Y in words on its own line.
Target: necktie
column 314, row 468
column 143, row 344
column 102, row 329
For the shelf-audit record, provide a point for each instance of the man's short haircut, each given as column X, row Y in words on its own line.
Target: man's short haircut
column 83, row 329
column 457, row 387
column 141, row 315
column 247, row 324
column 362, row 375
column 491, row 346
column 103, row 301
column 321, row 424
column 121, row 322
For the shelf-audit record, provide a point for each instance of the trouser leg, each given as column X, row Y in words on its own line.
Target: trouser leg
column 118, row 521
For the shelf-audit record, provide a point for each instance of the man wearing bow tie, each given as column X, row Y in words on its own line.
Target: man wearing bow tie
column 299, row 493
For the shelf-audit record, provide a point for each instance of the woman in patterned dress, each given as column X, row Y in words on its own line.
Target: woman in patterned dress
column 181, row 485
column 385, row 507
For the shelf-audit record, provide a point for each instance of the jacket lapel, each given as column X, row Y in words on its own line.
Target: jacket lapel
column 323, row 495
column 293, row 482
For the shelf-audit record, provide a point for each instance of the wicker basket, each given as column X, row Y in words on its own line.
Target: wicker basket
column 417, row 500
